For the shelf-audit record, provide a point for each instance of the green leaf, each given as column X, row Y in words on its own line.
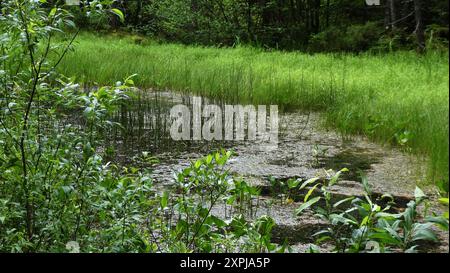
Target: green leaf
column 323, row 239
column 422, row 232
column 221, row 160
column 366, row 185
column 387, row 216
column 228, row 154
column 322, row 232
column 218, row 222
column 231, row 199
column 292, row 184
column 308, row 182
column 412, row 249
column 307, row 205
column 310, row 192
column 119, row 13
column 444, row 201
column 365, row 221
column 181, row 226
column 52, row 12
column 340, row 218
column 419, row 194
column 335, row 177
column 439, row 221
column 209, row 159
column 337, row 204
column 394, row 234
column 129, row 81
column 165, row 200
column 385, row 238
column 198, row 164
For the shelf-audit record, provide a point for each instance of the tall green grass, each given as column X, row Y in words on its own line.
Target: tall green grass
column 398, row 98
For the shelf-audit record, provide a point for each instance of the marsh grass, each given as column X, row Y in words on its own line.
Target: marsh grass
column 398, row 98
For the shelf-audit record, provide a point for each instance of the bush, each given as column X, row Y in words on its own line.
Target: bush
column 56, row 192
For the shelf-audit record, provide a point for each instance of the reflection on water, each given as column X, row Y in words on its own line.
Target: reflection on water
column 146, row 124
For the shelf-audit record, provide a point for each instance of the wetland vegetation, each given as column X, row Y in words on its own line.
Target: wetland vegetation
column 87, row 163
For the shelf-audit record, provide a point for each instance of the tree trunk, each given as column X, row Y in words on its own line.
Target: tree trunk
column 389, row 14
column 420, row 29
column 393, row 13
column 249, row 21
column 317, row 6
column 138, row 12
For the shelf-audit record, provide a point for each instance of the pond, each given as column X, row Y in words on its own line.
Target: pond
column 305, row 149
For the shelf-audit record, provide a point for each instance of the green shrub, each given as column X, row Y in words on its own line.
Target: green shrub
column 56, row 192
column 359, row 224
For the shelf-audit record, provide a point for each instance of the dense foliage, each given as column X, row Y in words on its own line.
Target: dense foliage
column 57, row 193
column 363, row 225
column 347, row 25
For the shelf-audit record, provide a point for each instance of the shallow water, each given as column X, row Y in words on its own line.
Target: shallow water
column 304, row 150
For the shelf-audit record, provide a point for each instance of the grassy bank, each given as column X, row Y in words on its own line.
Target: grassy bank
column 398, row 98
